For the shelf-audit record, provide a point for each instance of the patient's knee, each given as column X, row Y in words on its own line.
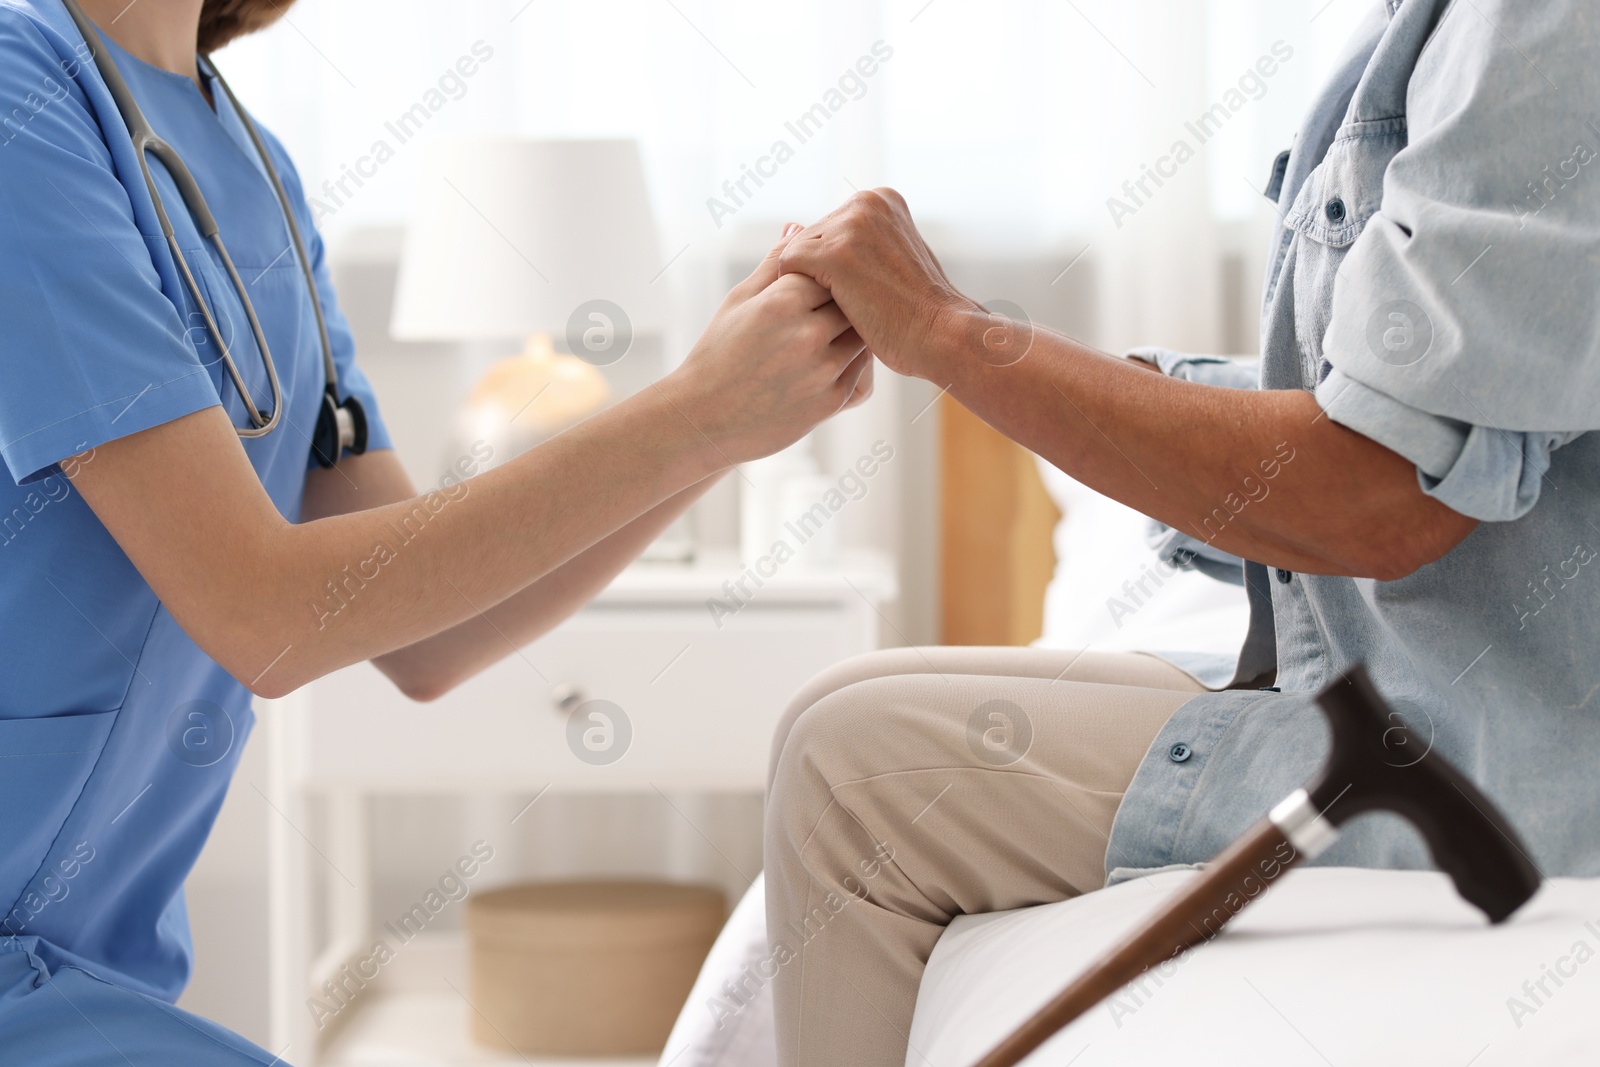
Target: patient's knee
column 842, row 675
column 844, row 737
column 872, row 727
column 821, row 733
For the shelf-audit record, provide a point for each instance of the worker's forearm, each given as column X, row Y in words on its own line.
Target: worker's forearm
column 1261, row 474
column 353, row 587
column 278, row 604
column 436, row 664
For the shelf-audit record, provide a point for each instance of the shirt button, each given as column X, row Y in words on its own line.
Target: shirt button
column 1179, row 752
column 1335, row 210
column 1285, row 576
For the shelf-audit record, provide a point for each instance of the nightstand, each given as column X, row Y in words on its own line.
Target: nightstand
column 671, row 680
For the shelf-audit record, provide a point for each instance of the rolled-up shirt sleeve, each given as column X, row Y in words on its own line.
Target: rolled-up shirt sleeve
column 1484, row 473
column 1485, row 247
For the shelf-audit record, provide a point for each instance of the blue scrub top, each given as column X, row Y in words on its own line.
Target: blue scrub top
column 118, row 735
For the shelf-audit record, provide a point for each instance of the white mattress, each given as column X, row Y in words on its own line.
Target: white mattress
column 1332, row 967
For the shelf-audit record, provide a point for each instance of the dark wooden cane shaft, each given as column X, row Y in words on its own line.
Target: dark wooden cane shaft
column 1194, row 915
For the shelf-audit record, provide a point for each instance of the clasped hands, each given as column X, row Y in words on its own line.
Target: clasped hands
column 880, row 272
column 793, row 344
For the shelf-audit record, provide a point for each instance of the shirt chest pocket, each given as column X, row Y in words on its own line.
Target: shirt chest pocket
column 1328, row 214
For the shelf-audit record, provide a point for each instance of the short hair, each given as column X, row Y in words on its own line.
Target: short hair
column 222, row 21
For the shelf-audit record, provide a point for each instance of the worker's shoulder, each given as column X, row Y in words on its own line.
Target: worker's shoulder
column 47, row 80
column 37, row 44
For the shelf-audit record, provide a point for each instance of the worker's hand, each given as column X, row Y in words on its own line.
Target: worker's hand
column 778, row 358
column 884, row 277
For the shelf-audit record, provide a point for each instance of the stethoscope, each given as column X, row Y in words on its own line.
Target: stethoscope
column 340, row 424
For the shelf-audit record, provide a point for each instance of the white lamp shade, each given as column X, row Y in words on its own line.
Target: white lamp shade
column 511, row 236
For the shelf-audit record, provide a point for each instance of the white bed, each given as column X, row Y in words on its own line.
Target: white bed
column 1332, row 966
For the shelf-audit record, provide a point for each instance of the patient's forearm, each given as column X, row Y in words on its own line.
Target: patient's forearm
column 430, row 667
column 1262, row 474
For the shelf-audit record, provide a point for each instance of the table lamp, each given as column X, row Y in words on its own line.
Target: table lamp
column 551, row 241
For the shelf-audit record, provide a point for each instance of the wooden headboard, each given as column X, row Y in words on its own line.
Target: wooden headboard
column 996, row 526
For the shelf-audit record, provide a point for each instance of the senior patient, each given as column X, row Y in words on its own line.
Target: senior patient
column 1430, row 359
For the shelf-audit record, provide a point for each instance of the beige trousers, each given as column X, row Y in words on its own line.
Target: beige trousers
column 914, row 785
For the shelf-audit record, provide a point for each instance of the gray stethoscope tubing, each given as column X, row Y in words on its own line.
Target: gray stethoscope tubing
column 350, row 427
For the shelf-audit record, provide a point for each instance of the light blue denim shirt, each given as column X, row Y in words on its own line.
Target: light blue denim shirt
column 1435, row 280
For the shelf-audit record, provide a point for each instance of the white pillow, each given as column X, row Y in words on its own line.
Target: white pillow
column 1110, row 594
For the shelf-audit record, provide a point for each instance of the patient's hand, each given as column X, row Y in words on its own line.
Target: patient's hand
column 884, row 277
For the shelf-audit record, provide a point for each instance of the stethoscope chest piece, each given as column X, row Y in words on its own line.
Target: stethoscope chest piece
column 340, row 428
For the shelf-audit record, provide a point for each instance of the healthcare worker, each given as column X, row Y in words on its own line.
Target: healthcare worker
column 166, row 544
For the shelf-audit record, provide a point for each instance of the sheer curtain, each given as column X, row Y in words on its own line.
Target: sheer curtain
column 1009, row 124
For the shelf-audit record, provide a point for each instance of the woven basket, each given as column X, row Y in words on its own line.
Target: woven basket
column 587, row 968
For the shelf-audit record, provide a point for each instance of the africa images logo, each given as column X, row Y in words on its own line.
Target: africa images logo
column 599, row 732
column 599, row 332
column 1399, row 333
column 999, row 733
column 200, row 733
